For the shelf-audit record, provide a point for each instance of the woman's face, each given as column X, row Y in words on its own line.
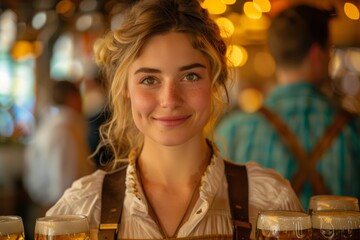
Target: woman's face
column 170, row 88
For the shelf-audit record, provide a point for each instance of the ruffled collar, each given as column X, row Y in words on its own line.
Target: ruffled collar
column 210, row 182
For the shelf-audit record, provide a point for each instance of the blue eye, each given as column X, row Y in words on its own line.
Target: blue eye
column 192, row 77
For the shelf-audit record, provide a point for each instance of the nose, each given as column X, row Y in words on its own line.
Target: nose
column 171, row 95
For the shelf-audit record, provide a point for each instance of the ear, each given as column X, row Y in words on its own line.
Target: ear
column 318, row 59
column 315, row 53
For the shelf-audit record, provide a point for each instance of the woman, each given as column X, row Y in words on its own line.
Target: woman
column 167, row 71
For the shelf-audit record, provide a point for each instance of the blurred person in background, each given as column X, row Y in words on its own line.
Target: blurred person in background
column 58, row 153
column 299, row 131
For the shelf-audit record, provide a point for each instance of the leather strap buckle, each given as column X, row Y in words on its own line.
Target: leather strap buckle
column 108, row 226
column 242, row 230
column 108, row 231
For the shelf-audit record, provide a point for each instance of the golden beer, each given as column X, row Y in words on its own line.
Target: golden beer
column 71, row 236
column 64, row 227
column 272, row 225
column 333, row 202
column 11, row 228
column 329, row 225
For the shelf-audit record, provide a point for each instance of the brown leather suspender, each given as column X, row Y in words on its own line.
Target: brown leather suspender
column 113, row 194
column 238, row 190
column 307, row 161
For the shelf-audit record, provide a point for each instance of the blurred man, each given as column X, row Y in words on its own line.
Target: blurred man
column 299, row 131
column 58, row 152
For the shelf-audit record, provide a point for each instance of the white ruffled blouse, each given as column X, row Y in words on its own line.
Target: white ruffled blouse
column 209, row 217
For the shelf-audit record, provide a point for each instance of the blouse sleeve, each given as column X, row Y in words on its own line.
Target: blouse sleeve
column 268, row 190
column 83, row 197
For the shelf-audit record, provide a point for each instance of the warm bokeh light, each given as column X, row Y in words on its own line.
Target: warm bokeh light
column 250, row 99
column 250, row 31
column 226, row 27
column 237, row 56
column 22, row 49
column 65, row 7
column 264, row 5
column 252, row 10
column 235, row 18
column 264, row 64
column 351, row 11
column 260, row 24
column 229, row 2
column 214, row 6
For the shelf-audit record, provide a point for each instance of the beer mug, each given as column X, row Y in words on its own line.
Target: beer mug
column 61, row 227
column 283, row 225
column 333, row 202
column 11, row 228
column 329, row 225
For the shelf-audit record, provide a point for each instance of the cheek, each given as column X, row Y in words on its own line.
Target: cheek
column 141, row 103
column 202, row 99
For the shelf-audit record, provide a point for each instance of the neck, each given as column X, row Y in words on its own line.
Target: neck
column 289, row 76
column 174, row 165
column 311, row 70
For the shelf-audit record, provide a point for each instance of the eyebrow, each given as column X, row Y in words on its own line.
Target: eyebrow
column 184, row 68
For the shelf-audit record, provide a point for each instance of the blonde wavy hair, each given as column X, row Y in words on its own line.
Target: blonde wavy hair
column 120, row 47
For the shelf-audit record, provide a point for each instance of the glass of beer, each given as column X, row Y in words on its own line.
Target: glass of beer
column 61, row 227
column 283, row 225
column 11, row 228
column 333, row 202
column 329, row 225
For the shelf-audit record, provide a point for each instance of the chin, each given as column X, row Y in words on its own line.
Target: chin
column 172, row 140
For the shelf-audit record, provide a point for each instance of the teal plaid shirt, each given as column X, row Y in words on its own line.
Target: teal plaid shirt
column 246, row 137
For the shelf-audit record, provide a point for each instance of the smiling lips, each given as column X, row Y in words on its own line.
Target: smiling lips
column 172, row 121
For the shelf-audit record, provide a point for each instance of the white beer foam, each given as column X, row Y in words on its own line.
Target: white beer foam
column 283, row 221
column 336, row 220
column 11, row 224
column 60, row 225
